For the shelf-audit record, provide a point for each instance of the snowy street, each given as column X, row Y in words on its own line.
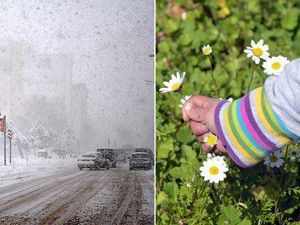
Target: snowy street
column 70, row 196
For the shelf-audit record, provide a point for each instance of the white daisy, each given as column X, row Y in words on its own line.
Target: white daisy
column 207, row 50
column 210, row 139
column 184, row 100
column 214, row 169
column 174, row 84
column 257, row 51
column 274, row 159
column 274, row 65
column 294, row 153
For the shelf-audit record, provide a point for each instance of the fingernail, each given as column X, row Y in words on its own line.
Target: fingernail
column 188, row 106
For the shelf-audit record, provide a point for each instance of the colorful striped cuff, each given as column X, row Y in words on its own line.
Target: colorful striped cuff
column 249, row 129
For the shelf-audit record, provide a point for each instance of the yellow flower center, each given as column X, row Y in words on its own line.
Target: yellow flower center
column 273, row 158
column 206, row 51
column 175, row 86
column 213, row 170
column 211, row 140
column 276, row 65
column 257, row 52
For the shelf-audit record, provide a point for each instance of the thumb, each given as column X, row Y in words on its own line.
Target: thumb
column 193, row 112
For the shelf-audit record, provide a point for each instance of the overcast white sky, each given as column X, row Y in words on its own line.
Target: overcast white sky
column 110, row 41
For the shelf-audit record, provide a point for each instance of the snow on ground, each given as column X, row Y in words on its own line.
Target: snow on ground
column 56, row 192
column 147, row 181
column 25, row 169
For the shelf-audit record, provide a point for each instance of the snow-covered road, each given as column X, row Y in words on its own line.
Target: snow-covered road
column 70, row 196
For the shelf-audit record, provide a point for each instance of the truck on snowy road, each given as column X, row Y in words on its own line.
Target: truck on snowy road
column 109, row 154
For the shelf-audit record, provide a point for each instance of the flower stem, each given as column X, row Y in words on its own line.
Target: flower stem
column 285, row 159
column 251, row 78
column 196, row 196
column 276, row 209
column 205, row 199
column 212, row 76
column 215, row 196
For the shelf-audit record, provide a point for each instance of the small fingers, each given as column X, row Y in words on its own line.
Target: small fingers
column 191, row 109
column 201, row 138
column 198, row 128
column 193, row 112
column 198, row 100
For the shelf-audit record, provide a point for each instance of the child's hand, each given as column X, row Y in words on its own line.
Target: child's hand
column 199, row 112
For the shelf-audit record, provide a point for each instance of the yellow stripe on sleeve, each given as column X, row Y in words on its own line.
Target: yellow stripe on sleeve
column 263, row 119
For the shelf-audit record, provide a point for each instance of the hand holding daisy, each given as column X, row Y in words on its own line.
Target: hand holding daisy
column 199, row 112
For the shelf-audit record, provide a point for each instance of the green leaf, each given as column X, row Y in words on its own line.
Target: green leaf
column 170, row 26
column 171, row 189
column 163, row 47
column 196, row 76
column 229, row 215
column 164, row 148
column 188, row 152
column 259, row 193
column 165, row 217
column 161, row 198
column 184, row 39
column 245, row 222
column 289, row 211
column 177, row 172
column 182, row 172
column 290, row 19
column 184, row 135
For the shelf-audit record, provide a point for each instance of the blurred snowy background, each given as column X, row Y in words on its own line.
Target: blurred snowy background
column 76, row 76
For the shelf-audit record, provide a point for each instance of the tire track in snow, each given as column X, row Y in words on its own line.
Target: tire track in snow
column 20, row 201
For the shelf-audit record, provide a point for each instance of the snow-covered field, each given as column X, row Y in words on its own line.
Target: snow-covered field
column 25, row 169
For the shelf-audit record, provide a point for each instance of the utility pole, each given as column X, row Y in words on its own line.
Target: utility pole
column 4, row 138
column 10, row 150
column 10, row 135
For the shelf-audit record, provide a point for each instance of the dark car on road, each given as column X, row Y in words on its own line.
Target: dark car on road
column 140, row 160
column 109, row 154
column 148, row 151
column 93, row 161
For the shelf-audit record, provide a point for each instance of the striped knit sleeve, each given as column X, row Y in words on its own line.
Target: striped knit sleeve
column 249, row 129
